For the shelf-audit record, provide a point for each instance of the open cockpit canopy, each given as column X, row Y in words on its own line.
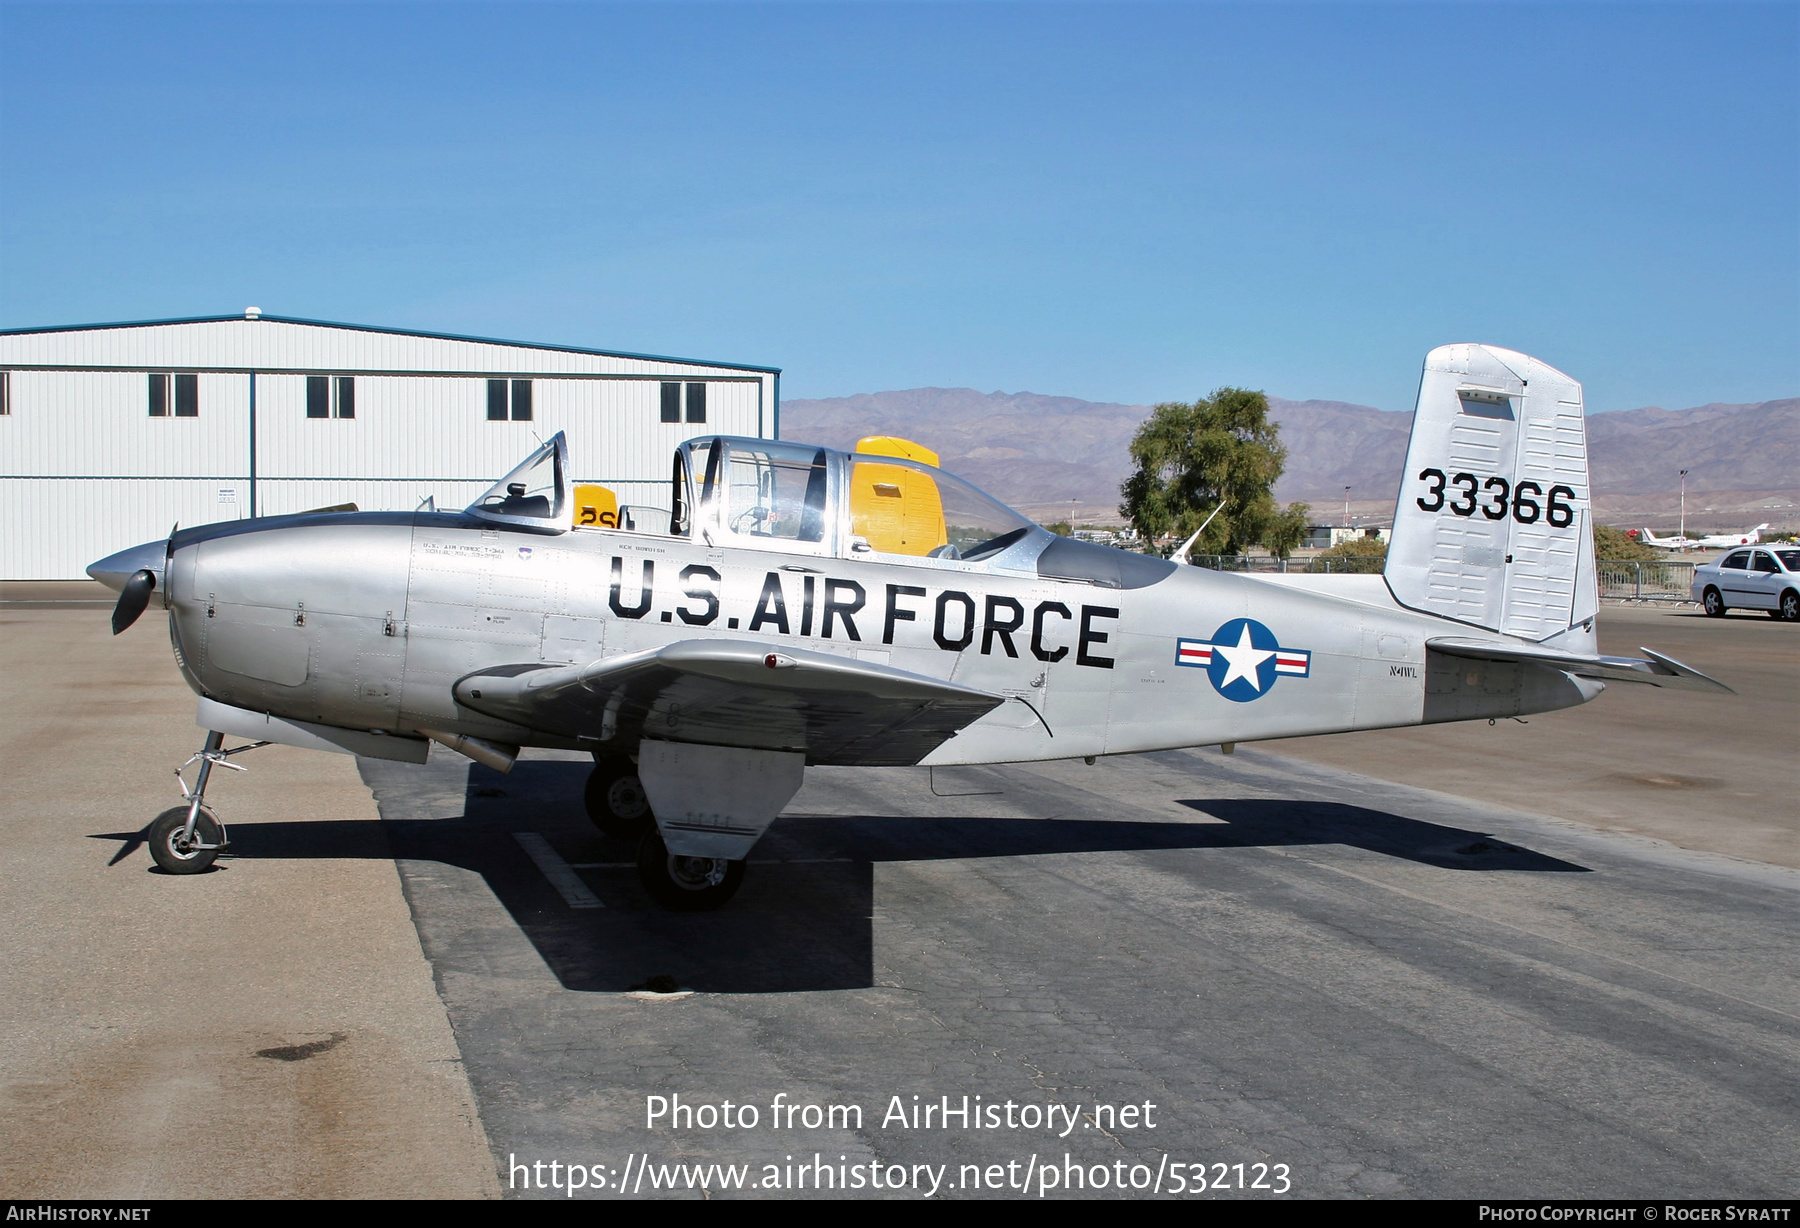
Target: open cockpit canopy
column 535, row 495
column 886, row 499
column 770, row 492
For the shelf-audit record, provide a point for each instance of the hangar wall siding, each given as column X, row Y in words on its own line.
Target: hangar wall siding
column 85, row 469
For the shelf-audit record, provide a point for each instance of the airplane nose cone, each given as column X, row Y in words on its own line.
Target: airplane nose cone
column 115, row 569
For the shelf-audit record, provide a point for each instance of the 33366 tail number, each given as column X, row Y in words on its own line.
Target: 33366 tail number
column 1496, row 498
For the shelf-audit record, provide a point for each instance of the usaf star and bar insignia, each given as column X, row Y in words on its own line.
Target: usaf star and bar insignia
column 1243, row 659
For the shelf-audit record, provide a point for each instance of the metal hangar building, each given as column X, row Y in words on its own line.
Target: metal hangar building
column 112, row 433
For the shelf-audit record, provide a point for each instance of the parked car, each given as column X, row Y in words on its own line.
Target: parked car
column 1766, row 578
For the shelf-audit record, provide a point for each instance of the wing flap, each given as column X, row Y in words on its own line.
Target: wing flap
column 834, row 709
column 1658, row 670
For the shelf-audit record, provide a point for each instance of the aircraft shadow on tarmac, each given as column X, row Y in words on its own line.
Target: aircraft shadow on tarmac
column 803, row 920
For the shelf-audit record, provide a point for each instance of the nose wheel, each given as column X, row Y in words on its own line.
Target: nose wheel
column 179, row 849
column 188, row 838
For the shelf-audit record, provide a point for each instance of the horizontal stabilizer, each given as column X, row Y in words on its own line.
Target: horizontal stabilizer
column 1657, row 671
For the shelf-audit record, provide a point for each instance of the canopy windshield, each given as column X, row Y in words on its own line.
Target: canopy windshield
column 535, row 495
column 775, row 490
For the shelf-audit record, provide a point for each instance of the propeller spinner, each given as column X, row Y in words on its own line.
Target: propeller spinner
column 135, row 575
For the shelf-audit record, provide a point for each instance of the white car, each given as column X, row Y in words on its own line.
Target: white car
column 1765, row 578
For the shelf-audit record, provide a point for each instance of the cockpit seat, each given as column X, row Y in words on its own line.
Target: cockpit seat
column 518, row 503
column 896, row 508
column 596, row 507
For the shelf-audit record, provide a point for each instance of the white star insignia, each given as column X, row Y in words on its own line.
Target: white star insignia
column 1242, row 660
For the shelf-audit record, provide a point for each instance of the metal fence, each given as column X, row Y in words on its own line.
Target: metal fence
column 1649, row 580
column 1620, row 579
column 1240, row 562
column 1356, row 565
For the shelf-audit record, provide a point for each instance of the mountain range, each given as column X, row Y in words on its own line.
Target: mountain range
column 1061, row 457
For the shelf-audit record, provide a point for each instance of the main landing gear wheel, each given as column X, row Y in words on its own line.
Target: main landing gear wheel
column 685, row 884
column 1712, row 603
column 174, row 851
column 616, row 801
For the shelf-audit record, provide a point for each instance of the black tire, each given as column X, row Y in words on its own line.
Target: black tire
column 616, row 801
column 685, row 884
column 1712, row 603
column 1790, row 607
column 172, row 853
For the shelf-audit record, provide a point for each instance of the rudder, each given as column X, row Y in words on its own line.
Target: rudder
column 1493, row 526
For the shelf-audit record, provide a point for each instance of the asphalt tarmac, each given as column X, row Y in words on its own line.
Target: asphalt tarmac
column 1703, row 771
column 267, row 1029
column 1389, row 991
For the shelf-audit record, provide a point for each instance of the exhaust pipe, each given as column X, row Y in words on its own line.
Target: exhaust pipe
column 497, row 755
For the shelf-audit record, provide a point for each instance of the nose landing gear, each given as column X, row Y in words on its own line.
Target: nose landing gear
column 188, row 839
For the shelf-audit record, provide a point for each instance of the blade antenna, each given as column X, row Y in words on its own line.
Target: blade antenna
column 1181, row 555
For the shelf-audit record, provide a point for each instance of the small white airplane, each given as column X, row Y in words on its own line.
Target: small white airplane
column 796, row 606
column 1714, row 541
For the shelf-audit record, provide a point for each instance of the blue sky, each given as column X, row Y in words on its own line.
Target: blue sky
column 1112, row 201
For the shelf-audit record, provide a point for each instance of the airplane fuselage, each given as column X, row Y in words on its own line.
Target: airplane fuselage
column 366, row 622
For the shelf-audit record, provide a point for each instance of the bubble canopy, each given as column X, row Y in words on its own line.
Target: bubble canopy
column 791, row 497
column 535, row 495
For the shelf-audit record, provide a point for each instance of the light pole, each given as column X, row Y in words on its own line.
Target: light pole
column 1682, row 532
column 1346, row 507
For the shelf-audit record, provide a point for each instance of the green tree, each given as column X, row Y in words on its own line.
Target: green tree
column 1355, row 554
column 1610, row 543
column 1287, row 529
column 1061, row 528
column 1219, row 453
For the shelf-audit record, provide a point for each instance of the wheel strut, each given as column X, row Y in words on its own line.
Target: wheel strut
column 213, row 752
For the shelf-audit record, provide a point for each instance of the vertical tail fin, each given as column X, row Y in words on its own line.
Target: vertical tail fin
column 1493, row 526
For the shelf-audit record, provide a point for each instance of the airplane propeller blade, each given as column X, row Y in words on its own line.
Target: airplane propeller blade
column 133, row 598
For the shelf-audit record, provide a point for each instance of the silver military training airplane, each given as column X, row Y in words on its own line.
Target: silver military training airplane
column 796, row 605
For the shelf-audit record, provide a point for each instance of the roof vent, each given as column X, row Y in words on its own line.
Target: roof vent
column 253, row 313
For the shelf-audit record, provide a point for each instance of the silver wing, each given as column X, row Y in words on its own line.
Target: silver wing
column 835, row 710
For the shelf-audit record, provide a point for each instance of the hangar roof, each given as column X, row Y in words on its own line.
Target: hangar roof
column 243, row 342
